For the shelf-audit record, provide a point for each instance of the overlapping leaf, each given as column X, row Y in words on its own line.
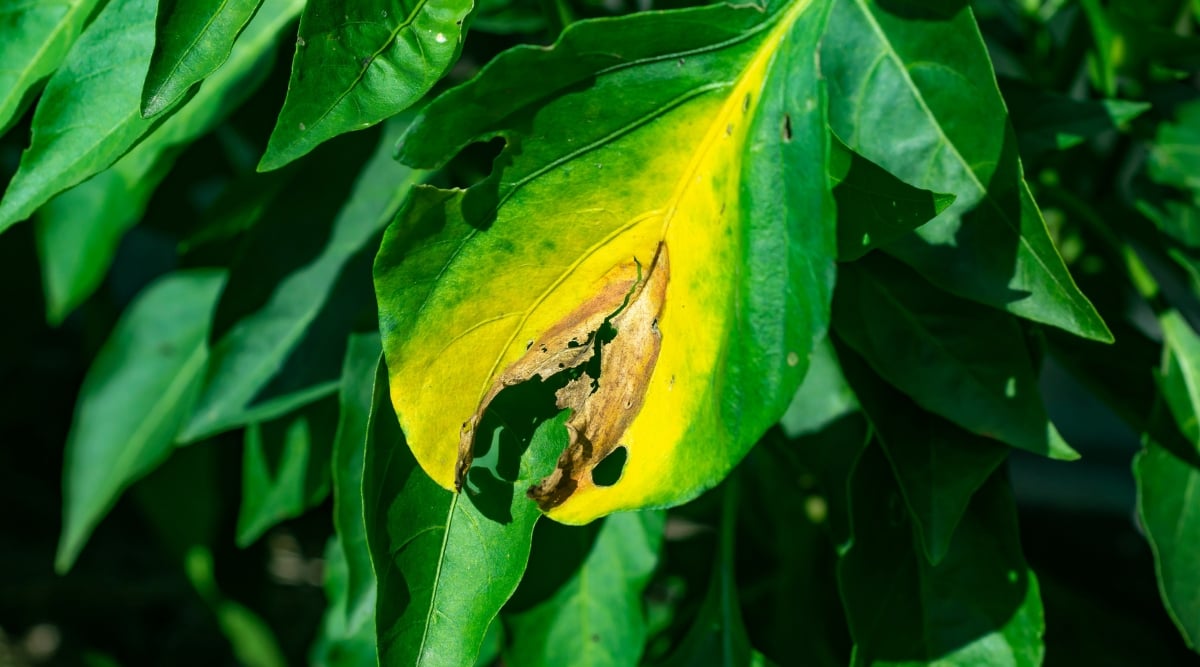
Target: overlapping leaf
column 662, row 215
column 358, row 63
column 193, row 38
column 79, row 229
column 912, row 89
column 37, row 37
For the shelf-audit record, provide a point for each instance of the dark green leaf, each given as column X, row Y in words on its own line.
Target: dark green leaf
column 37, row 36
column 135, row 397
column 980, row 606
column 358, row 63
column 343, row 641
column 1047, row 121
column 78, row 230
column 446, row 562
column 938, row 465
column 963, row 361
column 193, row 38
column 595, row 617
column 88, row 116
column 912, row 89
column 1180, row 379
column 874, row 207
column 285, row 468
column 822, row 398
column 1174, row 159
column 358, row 378
column 1167, row 488
column 277, row 291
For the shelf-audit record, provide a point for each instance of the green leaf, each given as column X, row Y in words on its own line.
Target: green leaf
column 923, row 75
column 874, row 207
column 136, row 395
column 594, row 618
column 726, row 254
column 446, row 562
column 37, row 37
column 1180, row 380
column 88, row 116
column 938, row 466
column 980, row 606
column 343, row 641
column 192, row 39
column 1171, row 519
column 285, row 468
column 277, row 291
column 358, row 63
column 358, row 377
column 78, row 230
column 822, row 398
column 717, row 636
column 1046, row 121
column 965, row 362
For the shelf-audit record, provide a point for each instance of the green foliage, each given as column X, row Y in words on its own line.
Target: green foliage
column 839, row 325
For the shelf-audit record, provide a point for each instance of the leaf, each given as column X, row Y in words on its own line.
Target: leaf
column 37, row 37
column 340, row 641
column 358, row 376
column 193, row 38
column 1171, row 519
column 965, row 362
column 823, row 397
column 1180, row 381
column 980, row 606
column 88, row 115
column 709, row 163
column 938, row 466
column 874, row 207
column 595, row 618
column 358, row 63
column 277, row 291
column 446, row 562
column 136, row 395
column 1046, row 121
column 896, row 70
column 285, row 468
column 78, row 230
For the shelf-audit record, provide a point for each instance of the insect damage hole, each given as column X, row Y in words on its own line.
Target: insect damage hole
column 787, row 128
column 608, row 471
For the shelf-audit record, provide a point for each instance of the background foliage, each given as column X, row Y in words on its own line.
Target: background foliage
column 991, row 460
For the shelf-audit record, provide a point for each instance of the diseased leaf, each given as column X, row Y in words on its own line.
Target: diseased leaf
column 874, row 207
column 78, row 230
column 358, row 63
column 88, row 115
column 595, row 617
column 358, row 378
column 37, row 37
column 980, row 606
column 135, row 397
column 1167, row 488
column 273, row 307
column 192, row 39
column 285, row 468
column 965, row 362
column 446, row 562
column 938, row 466
column 703, row 179
column 923, row 75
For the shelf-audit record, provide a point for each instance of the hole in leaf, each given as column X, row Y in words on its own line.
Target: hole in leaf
column 787, row 127
column 472, row 164
column 608, row 471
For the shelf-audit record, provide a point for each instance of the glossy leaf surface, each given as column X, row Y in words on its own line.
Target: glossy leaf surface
column 614, row 211
column 137, row 393
column 358, row 63
column 896, row 70
column 1167, row 487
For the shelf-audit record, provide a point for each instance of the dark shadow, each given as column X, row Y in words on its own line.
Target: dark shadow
column 556, row 555
column 923, row 10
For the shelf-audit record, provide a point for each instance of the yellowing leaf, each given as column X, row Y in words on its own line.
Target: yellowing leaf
column 655, row 244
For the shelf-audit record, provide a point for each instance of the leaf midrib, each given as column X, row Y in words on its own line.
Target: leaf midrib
column 187, row 51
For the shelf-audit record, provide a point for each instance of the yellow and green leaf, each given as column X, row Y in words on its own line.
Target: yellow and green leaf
column 657, row 233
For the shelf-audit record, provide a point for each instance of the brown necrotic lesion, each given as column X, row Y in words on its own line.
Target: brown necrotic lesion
column 610, row 344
